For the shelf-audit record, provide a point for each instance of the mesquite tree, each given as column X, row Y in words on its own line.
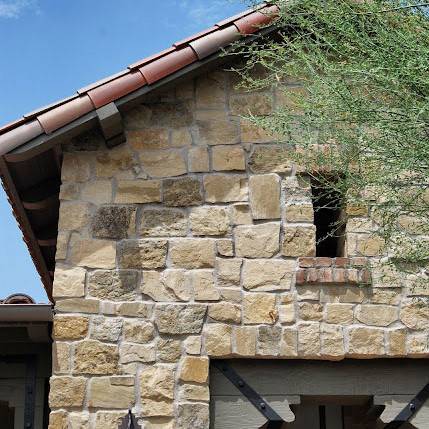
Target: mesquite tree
column 353, row 78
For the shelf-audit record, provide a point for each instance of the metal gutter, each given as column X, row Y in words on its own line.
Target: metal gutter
column 26, row 313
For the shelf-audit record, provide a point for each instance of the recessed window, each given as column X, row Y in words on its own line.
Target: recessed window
column 328, row 218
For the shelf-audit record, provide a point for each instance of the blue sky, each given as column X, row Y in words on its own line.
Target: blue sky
column 51, row 48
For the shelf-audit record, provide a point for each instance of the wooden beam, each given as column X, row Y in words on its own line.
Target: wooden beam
column 47, row 236
column 41, row 196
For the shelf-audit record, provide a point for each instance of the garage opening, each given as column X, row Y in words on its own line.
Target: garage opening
column 294, row 394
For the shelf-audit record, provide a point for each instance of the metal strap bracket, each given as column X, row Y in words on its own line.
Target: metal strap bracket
column 130, row 421
column 274, row 420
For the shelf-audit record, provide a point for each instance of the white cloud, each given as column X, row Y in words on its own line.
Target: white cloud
column 204, row 13
column 14, row 8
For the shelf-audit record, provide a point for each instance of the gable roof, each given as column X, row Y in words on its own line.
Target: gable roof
column 30, row 156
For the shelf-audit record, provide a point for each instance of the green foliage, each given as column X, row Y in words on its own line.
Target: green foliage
column 363, row 114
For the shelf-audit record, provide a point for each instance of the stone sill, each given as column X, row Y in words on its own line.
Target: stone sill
column 338, row 271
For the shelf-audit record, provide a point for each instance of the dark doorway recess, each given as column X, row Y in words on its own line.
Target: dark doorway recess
column 328, row 217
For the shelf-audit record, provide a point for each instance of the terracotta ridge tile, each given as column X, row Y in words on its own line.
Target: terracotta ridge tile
column 151, row 58
column 101, row 82
column 189, row 39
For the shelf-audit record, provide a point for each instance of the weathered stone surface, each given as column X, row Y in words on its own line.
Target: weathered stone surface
column 169, row 350
column 93, row 357
column 418, row 345
column 414, row 316
column 308, row 311
column 195, row 393
column 69, row 191
column 218, row 133
column 245, row 341
column 60, row 357
column 265, row 196
column 387, row 297
column 257, row 241
column 181, row 138
column 198, row 159
column 366, row 342
column 259, row 308
column 159, row 423
column 204, row 286
column 225, row 158
column 163, row 163
column 210, row 91
column 169, row 114
column 112, row 222
column 241, row 214
column 377, row 315
column 251, row 104
column 192, row 345
column 118, row 285
column 269, row 338
column 309, row 339
column 209, row 220
column 67, row 392
column 106, row 328
column 163, row 223
column 297, row 189
column 70, row 327
column 359, row 225
column 148, row 139
column 299, row 213
column 134, row 309
column 287, row 313
column 108, row 420
column 225, row 247
column 180, row 319
column 223, row 188
column 136, row 353
column 228, row 271
column 413, row 225
column 225, row 312
column 97, row 192
column 170, row 285
column 182, row 192
column 250, row 133
column 73, row 216
column 270, row 159
column 194, row 369
column 116, row 159
column 58, row 420
column 193, row 416
column 69, row 281
column 218, row 339
column 332, row 341
column 229, row 294
column 398, row 342
column 142, row 253
column 299, row 241
column 157, row 390
column 192, row 253
column 138, row 192
column 75, row 168
column 268, row 274
column 94, row 254
column 370, row 246
column 62, row 244
column 138, row 331
column 339, row 313
column 289, row 345
column 111, row 392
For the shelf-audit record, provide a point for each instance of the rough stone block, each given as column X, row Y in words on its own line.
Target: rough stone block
column 218, row 339
column 170, row 285
column 163, row 223
column 113, row 222
column 118, row 285
column 257, row 241
column 70, row 327
column 205, row 288
column 310, row 312
column 194, row 369
column 138, row 331
column 265, row 196
column 414, row 316
column 299, row 241
column 138, row 192
column 210, row 91
column 180, row 319
column 309, row 340
column 289, row 344
column 228, row 271
column 169, row 350
column 299, row 213
column 241, row 214
column 198, row 160
column 269, row 338
column 61, row 353
column 119, row 158
column 192, row 253
column 192, row 416
column 366, row 342
column 251, row 104
column 268, row 274
column 73, row 216
column 96, row 358
column 148, row 139
column 224, row 247
column 67, row 392
column 209, row 220
column 218, row 133
column 271, row 159
column 339, row 313
column 182, row 192
column 106, row 328
column 181, row 138
column 370, row 246
column 259, row 308
column 223, row 188
column 228, row 158
column 97, row 192
column 142, row 253
column 398, row 342
column 287, row 313
column 131, row 353
column 245, row 341
column 69, row 281
column 94, row 254
column 111, row 392
column 75, row 168
column 333, row 341
column 376, row 315
column 163, row 163
column 225, row 312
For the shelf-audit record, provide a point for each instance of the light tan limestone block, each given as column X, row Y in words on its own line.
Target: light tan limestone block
column 58, row 420
column 228, row 271
column 418, row 345
column 77, row 305
column 148, row 139
column 181, row 138
column 339, row 313
column 309, row 339
column 228, row 158
column 366, row 342
column 299, row 213
column 218, row 339
column 210, row 91
column 205, row 288
column 198, row 159
column 163, row 163
column 218, row 133
column 414, row 316
column 61, row 353
column 254, row 103
column 94, row 254
column 241, row 214
column 97, row 192
column 75, row 168
column 270, row 159
column 259, row 308
column 257, row 241
column 387, row 297
column 194, row 369
column 268, row 274
column 192, row 345
column 138, row 192
column 310, row 312
column 265, row 196
column 180, row 318
column 159, row 423
column 130, row 353
column 69, row 191
column 146, row 254
column 119, row 158
column 225, row 312
column 70, row 327
column 269, row 338
column 225, row 247
column 192, row 253
column 73, row 216
column 79, row 420
column 209, row 220
column 332, row 341
column 225, row 188
column 69, row 281
column 169, row 350
column 192, row 416
column 118, row 285
column 134, row 309
column 62, row 243
column 94, row 357
column 111, row 392
column 251, row 133
column 231, row 295
column 138, row 331
column 245, row 340
column 287, row 313
column 106, row 328
column 289, row 344
column 299, row 241
column 398, row 342
column 377, row 315
column 370, row 246
column 182, row 192
column 108, row 420
column 170, row 285
column 195, row 393
column 67, row 392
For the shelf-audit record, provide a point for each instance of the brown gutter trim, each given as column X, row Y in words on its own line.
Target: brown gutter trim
column 26, row 313
column 24, row 224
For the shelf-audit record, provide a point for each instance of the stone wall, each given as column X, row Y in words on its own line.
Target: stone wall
column 195, row 239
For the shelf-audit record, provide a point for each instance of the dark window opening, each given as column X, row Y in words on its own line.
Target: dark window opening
column 328, row 218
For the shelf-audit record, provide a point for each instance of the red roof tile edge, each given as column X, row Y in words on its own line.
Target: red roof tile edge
column 146, row 71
